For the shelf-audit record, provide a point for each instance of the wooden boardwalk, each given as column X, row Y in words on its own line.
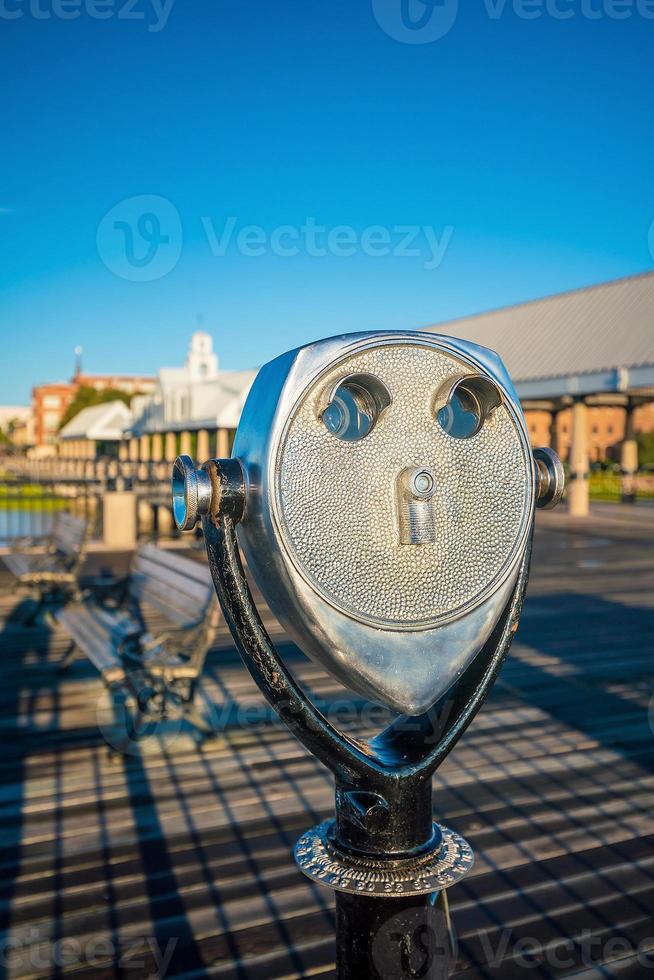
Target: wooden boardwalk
column 176, row 862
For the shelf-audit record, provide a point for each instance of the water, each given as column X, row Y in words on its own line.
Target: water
column 17, row 521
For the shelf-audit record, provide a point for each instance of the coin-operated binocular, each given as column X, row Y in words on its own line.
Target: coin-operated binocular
column 382, row 489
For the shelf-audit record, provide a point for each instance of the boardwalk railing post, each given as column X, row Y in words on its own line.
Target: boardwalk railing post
column 382, row 488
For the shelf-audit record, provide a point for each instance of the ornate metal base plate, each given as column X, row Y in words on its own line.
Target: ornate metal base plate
column 317, row 857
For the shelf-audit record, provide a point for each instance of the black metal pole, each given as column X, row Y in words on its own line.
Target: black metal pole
column 392, row 938
column 387, row 827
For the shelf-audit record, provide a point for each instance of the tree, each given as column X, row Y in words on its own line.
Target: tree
column 85, row 396
column 645, row 448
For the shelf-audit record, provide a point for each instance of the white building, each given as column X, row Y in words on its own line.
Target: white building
column 96, row 430
column 197, row 397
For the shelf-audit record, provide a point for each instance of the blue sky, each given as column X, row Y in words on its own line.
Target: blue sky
column 524, row 145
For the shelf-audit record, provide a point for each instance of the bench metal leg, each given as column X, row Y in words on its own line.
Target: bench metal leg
column 186, row 693
column 68, row 658
column 35, row 615
column 140, row 721
column 152, row 700
column 136, row 723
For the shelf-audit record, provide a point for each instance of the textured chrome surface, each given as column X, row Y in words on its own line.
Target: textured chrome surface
column 405, row 667
column 318, row 858
column 191, row 491
column 337, row 508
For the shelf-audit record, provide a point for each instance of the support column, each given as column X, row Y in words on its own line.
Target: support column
column 170, row 447
column 133, row 449
column 144, row 515
column 119, row 520
column 578, row 495
column 144, row 448
column 157, row 447
column 629, row 458
column 222, row 444
column 185, row 443
column 165, row 521
column 203, row 451
column 554, row 430
column 123, row 452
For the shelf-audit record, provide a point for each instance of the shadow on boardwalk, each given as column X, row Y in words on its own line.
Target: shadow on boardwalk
column 179, row 860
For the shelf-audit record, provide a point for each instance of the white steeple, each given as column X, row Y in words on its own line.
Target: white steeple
column 201, row 362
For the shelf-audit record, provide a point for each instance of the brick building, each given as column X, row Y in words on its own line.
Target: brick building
column 50, row 401
column 606, row 429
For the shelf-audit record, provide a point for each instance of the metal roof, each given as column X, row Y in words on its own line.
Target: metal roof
column 214, row 403
column 105, row 422
column 577, row 342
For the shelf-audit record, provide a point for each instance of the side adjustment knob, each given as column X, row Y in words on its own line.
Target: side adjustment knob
column 191, row 489
column 550, row 478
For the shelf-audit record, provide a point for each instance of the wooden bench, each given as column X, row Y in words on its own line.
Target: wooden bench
column 50, row 566
column 160, row 672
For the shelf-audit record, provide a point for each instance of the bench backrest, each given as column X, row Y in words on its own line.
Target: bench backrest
column 178, row 587
column 69, row 535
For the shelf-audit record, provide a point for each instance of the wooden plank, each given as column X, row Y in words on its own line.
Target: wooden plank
column 553, row 785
